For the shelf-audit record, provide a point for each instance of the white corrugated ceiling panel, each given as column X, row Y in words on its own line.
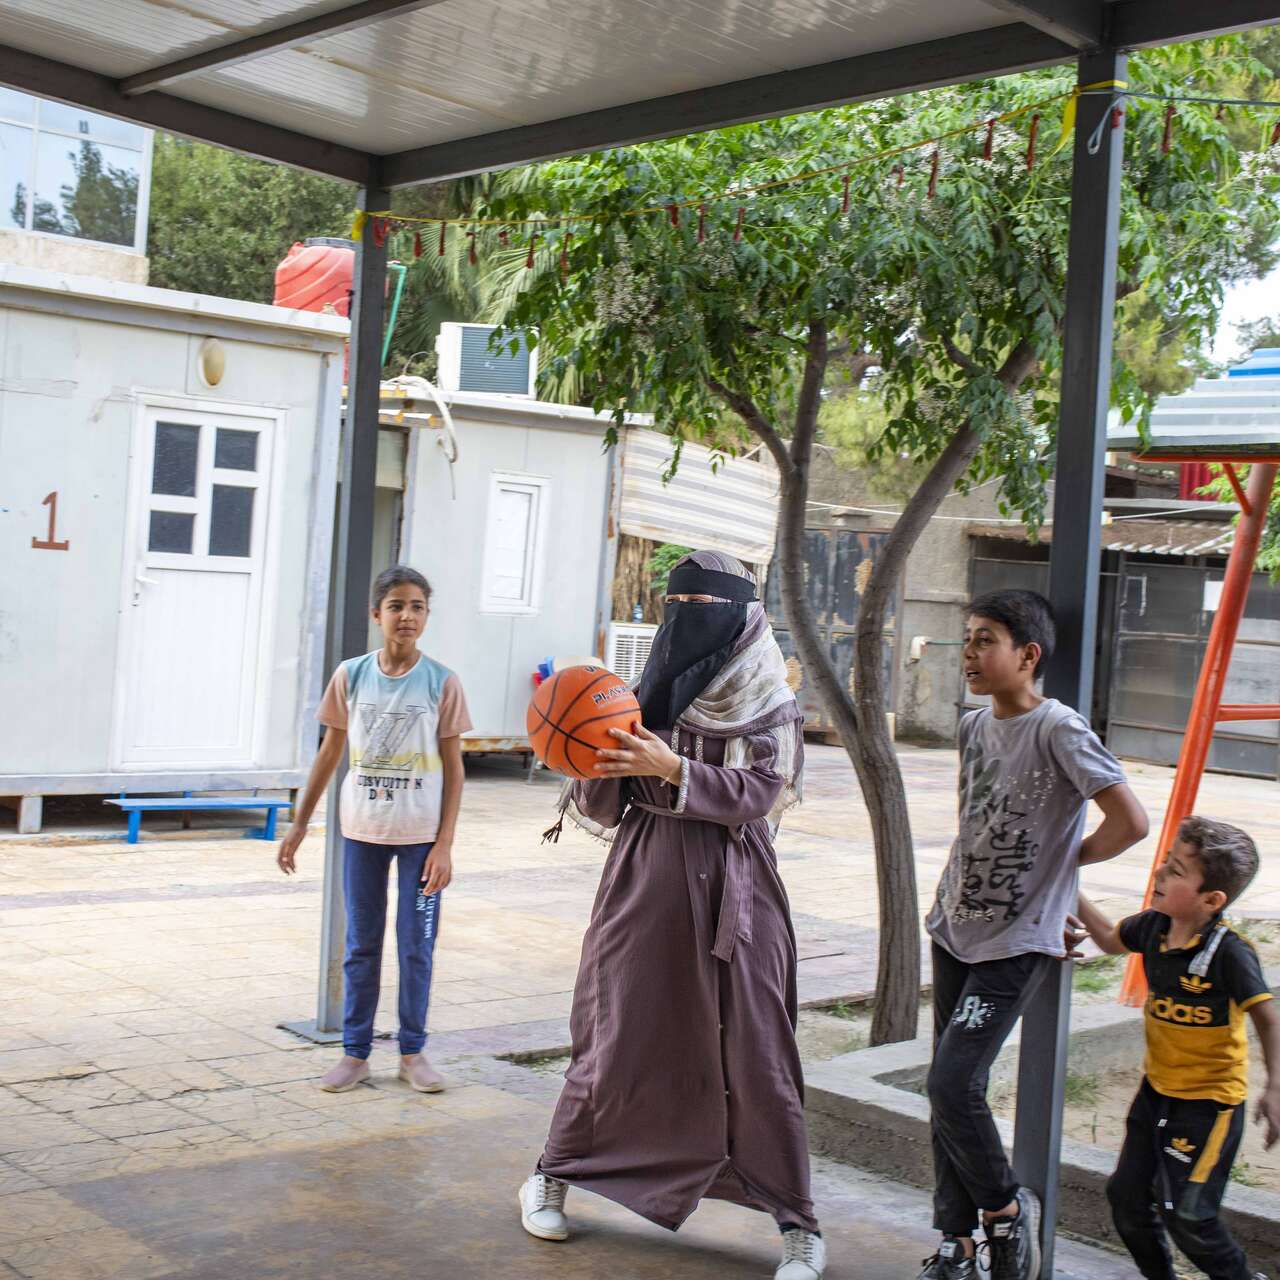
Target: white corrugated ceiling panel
column 712, row 503
column 474, row 66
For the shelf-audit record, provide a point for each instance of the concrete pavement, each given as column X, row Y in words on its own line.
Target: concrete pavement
column 155, row 1123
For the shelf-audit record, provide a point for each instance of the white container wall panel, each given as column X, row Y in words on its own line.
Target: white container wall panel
column 712, row 503
column 74, row 392
column 514, row 559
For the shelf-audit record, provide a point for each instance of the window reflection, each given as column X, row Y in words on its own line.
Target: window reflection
column 66, row 119
column 15, row 170
column 65, row 171
column 86, row 190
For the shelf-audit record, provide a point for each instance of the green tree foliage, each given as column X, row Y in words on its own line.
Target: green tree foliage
column 1263, row 332
column 957, row 292
column 220, row 222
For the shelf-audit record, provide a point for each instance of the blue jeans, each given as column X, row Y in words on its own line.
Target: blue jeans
column 364, row 881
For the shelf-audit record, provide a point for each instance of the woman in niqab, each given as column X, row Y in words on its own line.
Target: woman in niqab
column 685, row 1080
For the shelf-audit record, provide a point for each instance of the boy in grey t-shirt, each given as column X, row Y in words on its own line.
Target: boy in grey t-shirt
column 1028, row 768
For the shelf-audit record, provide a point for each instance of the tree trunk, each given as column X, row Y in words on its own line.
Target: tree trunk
column 898, row 975
column 861, row 723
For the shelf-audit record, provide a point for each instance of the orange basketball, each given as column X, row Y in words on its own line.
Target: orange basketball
column 571, row 714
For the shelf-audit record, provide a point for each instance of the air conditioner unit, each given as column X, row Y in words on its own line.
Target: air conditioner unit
column 467, row 363
column 628, row 651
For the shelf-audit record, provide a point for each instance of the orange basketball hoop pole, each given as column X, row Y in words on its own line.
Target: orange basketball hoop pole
column 1207, row 708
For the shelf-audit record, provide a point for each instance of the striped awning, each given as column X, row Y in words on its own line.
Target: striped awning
column 713, row 503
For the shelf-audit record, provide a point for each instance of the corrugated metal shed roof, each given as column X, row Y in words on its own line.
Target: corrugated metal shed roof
column 1240, row 412
column 1154, row 537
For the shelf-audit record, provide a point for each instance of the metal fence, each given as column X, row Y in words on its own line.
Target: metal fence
column 838, row 564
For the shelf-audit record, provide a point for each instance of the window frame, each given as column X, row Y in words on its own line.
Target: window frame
column 35, row 129
column 530, row 601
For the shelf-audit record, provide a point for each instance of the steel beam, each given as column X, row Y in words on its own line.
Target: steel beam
column 353, row 564
column 1079, row 23
column 971, row 56
column 333, row 23
column 64, row 83
column 1074, row 570
column 1136, row 24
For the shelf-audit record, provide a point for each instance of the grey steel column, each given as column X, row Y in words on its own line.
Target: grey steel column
column 353, row 569
column 1074, row 569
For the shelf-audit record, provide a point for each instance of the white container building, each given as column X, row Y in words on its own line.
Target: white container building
column 167, row 471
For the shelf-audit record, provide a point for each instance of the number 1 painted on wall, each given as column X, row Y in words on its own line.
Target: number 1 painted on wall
column 51, row 543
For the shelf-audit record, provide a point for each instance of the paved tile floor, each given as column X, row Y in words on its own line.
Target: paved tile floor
column 154, row 1122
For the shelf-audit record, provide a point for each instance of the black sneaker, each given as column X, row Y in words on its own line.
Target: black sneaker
column 949, row 1263
column 1015, row 1242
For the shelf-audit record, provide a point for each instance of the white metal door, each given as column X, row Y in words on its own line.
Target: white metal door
column 191, row 635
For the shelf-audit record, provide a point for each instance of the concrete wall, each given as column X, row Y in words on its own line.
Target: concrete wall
column 76, row 257
column 935, row 591
column 74, row 363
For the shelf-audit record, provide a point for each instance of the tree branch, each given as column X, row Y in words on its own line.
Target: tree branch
column 958, row 358
column 749, row 412
column 1019, row 365
column 810, row 398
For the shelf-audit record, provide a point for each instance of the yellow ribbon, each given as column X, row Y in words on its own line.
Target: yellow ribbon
column 357, row 225
column 1069, row 111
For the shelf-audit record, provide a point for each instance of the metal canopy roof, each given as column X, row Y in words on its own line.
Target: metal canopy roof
column 1239, row 414
column 393, row 92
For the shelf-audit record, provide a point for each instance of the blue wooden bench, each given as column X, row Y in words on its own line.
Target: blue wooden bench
column 136, row 806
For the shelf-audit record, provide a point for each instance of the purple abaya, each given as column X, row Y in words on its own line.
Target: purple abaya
column 685, row 1080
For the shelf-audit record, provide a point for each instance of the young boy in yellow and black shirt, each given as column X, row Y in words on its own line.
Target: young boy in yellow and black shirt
column 1185, row 1125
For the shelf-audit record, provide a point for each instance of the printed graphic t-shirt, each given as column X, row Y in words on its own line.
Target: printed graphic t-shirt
column 1198, row 995
column 395, row 778
column 1025, row 784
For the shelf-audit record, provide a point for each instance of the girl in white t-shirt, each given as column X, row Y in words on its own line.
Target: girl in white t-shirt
column 401, row 716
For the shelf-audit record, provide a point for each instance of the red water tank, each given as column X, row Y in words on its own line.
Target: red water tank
column 316, row 274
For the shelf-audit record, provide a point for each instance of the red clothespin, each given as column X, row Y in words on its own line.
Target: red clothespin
column 504, row 237
column 844, row 194
column 988, row 147
column 565, row 245
column 702, row 223
column 380, row 227
column 471, row 247
column 528, row 262
column 933, row 172
column 417, row 244
column 444, row 226
column 1031, row 141
column 1167, row 140
column 673, row 211
column 737, row 230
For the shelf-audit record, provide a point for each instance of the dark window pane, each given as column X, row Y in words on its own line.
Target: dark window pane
column 236, row 450
column 231, row 520
column 15, row 173
column 174, row 468
column 86, row 190
column 171, row 531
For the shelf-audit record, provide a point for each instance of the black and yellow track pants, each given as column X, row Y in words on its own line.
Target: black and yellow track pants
column 1173, row 1170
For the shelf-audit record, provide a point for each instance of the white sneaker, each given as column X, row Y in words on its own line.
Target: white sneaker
column 804, row 1256
column 542, row 1208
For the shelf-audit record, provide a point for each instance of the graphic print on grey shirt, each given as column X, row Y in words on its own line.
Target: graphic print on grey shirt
column 1025, row 786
